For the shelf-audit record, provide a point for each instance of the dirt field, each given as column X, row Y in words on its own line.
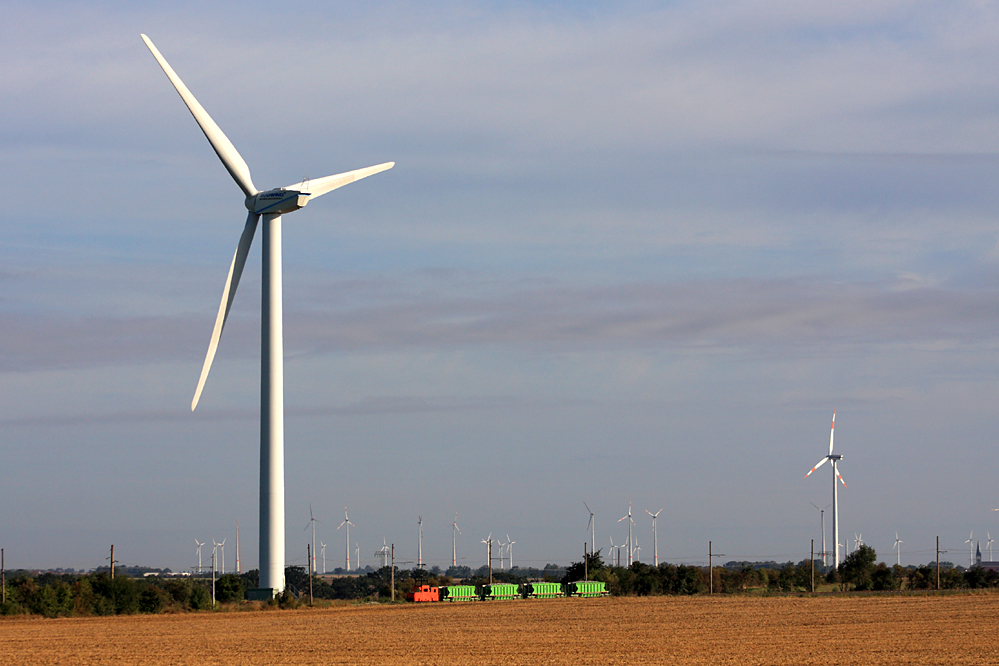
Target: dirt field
column 896, row 630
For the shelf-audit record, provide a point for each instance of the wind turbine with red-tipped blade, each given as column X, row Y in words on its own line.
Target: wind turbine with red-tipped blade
column 834, row 459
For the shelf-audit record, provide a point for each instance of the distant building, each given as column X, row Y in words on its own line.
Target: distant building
column 986, row 564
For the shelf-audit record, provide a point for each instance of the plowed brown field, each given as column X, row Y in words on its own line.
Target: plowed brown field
column 953, row 629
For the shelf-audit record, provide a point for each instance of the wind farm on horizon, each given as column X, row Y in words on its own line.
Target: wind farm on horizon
column 265, row 208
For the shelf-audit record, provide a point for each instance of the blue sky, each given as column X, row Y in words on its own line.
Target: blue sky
column 631, row 253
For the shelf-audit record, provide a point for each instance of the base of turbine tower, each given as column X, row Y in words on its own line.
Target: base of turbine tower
column 261, row 594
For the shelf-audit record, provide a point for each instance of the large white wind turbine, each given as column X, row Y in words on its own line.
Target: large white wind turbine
column 346, row 522
column 655, row 537
column 269, row 205
column 835, row 462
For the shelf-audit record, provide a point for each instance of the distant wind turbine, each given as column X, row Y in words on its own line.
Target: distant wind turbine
column 419, row 558
column 312, row 521
column 509, row 549
column 489, row 549
column 324, row 555
column 655, row 537
column 897, row 546
column 269, row 205
column 592, row 527
column 200, row 544
column 822, row 525
column 835, row 463
column 631, row 521
column 502, row 547
column 346, row 522
column 989, row 545
column 454, row 548
column 971, row 535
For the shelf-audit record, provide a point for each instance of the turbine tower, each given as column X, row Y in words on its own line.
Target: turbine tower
column 324, row 556
column 269, row 205
column 971, row 547
column 631, row 521
column 454, row 550
column 509, row 549
column 346, row 521
column 835, row 469
column 897, row 547
column 419, row 564
column 989, row 545
column 655, row 537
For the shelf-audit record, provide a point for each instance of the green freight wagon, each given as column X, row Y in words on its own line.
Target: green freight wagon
column 542, row 590
column 458, row 593
column 499, row 591
column 586, row 588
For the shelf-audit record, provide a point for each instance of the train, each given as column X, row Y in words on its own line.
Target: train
column 500, row 591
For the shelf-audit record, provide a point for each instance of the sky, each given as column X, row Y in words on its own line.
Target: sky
column 630, row 252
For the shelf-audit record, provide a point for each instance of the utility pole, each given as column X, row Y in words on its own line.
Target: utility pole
column 811, row 560
column 312, row 570
column 393, row 572
column 112, row 561
column 490, row 561
column 3, row 576
column 239, row 569
column 938, row 563
column 586, row 564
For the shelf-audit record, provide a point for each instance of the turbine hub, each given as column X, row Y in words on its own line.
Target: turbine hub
column 276, row 202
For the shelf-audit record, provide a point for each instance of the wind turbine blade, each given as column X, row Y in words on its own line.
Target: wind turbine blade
column 320, row 186
column 817, row 465
column 227, row 152
column 231, row 282
column 832, row 431
column 840, row 476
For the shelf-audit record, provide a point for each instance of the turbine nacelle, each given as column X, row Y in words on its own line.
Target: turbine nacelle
column 278, row 201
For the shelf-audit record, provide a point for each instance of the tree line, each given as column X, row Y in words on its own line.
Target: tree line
column 97, row 593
